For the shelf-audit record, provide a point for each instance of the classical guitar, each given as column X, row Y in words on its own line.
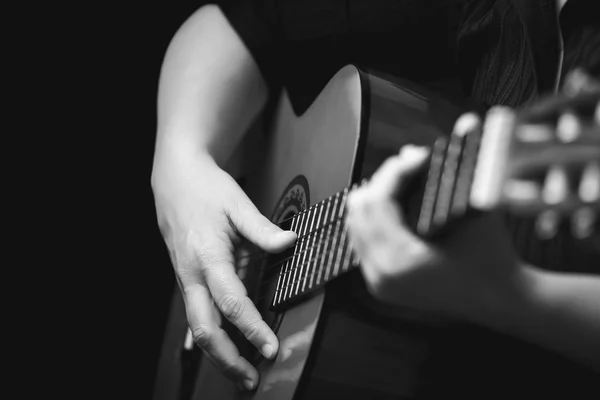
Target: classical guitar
column 542, row 162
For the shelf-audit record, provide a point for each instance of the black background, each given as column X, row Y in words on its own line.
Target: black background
column 97, row 68
column 139, row 253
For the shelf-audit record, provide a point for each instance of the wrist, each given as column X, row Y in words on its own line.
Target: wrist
column 173, row 146
column 176, row 155
column 505, row 304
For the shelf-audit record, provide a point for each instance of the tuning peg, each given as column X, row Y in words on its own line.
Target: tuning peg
column 556, row 185
column 522, row 191
column 568, row 127
column 582, row 222
column 547, row 224
column 534, row 133
column 589, row 186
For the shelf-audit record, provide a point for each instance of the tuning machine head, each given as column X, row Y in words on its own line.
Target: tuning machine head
column 544, row 161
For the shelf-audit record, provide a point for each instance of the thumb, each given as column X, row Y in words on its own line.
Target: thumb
column 257, row 228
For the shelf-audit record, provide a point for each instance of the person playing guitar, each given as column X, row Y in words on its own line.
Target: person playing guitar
column 226, row 63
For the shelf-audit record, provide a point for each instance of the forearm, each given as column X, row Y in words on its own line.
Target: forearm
column 558, row 311
column 210, row 88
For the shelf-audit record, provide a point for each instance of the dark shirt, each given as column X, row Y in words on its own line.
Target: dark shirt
column 495, row 52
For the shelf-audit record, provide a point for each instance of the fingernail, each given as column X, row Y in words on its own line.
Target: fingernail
column 267, row 350
column 288, row 235
column 414, row 152
column 248, row 384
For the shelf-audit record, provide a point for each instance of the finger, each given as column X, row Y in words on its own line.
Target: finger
column 373, row 218
column 258, row 229
column 394, row 174
column 231, row 299
column 353, row 221
column 213, row 339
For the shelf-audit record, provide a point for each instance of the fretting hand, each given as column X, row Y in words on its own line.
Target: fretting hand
column 457, row 277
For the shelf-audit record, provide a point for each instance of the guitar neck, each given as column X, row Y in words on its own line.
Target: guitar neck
column 467, row 171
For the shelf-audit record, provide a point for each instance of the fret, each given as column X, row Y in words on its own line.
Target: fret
column 347, row 248
column 341, row 249
column 328, row 241
column 336, row 232
column 431, row 187
column 288, row 263
column 312, row 259
column 300, row 256
column 294, row 263
column 322, row 243
column 284, row 268
column 460, row 201
column 448, row 179
column 305, row 269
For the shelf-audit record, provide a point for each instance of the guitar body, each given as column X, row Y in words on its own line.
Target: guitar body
column 339, row 342
column 357, row 121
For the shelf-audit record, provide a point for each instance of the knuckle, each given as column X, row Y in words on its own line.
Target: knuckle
column 202, row 336
column 261, row 229
column 253, row 330
column 229, row 368
column 231, row 306
column 207, row 255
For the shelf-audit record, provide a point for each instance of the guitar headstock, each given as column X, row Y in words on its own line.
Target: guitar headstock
column 544, row 160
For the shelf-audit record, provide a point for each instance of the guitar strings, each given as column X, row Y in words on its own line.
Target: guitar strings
column 320, row 270
column 306, row 210
column 326, row 243
column 260, row 255
column 316, row 258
